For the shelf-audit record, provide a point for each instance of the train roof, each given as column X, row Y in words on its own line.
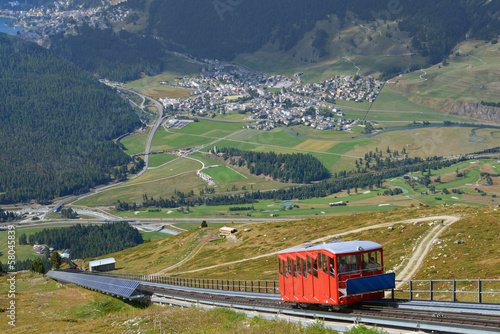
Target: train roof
column 339, row 247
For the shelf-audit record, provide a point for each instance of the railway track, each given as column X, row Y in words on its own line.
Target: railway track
column 389, row 317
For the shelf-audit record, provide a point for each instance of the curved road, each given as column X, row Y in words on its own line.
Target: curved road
column 153, row 131
column 146, row 153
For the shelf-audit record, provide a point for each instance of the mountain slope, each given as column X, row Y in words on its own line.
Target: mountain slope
column 223, row 29
column 56, row 125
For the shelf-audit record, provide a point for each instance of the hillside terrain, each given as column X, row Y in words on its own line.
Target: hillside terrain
column 436, row 27
column 57, row 126
column 46, row 306
column 251, row 254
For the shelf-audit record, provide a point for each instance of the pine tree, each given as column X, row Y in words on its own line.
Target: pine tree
column 22, row 239
column 37, row 267
column 55, row 259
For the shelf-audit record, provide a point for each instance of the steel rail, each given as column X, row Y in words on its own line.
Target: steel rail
column 410, row 324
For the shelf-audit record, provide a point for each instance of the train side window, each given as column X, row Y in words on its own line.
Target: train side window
column 325, row 264
column 319, row 257
column 299, row 267
column 308, row 262
column 294, row 266
column 315, row 268
column 287, row 268
column 304, row 271
column 372, row 261
column 280, row 264
column 332, row 267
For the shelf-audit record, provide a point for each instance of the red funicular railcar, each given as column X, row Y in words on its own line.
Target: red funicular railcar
column 336, row 273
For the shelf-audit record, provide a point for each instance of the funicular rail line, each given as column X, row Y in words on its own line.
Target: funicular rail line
column 375, row 315
column 441, row 317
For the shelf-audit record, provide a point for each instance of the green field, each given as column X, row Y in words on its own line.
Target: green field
column 135, row 143
column 179, row 174
column 173, row 67
column 23, row 252
column 153, row 236
column 210, row 128
column 223, row 174
column 164, row 141
column 156, row 160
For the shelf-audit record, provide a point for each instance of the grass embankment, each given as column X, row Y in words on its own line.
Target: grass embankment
column 45, row 306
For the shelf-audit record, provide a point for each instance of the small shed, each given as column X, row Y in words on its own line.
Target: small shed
column 102, row 265
column 227, row 230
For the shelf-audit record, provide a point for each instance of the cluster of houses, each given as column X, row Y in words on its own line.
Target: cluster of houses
column 342, row 87
column 42, row 22
column 220, row 89
column 40, row 249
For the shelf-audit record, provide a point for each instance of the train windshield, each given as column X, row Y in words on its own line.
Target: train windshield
column 372, row 261
column 348, row 264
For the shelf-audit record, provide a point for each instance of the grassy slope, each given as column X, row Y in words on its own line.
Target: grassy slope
column 455, row 81
column 370, row 50
column 477, row 226
column 45, row 306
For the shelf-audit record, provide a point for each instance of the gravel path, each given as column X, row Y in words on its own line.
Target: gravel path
column 407, row 271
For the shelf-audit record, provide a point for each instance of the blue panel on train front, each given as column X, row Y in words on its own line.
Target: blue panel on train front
column 371, row 283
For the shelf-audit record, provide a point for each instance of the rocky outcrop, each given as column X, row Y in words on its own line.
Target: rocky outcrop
column 460, row 108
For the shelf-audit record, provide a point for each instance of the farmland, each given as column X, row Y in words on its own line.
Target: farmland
column 169, row 173
column 400, row 104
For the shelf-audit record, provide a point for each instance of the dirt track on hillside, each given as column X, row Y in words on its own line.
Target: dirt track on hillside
column 408, row 270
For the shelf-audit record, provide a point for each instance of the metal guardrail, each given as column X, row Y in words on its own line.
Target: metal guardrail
column 257, row 286
column 455, row 290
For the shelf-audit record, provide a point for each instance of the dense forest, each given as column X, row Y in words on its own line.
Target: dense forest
column 26, row 264
column 119, row 57
column 57, row 123
column 7, row 216
column 296, row 167
column 245, row 26
column 89, row 241
column 341, row 181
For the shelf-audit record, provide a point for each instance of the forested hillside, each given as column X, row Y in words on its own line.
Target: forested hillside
column 56, row 125
column 91, row 240
column 222, row 29
column 120, row 57
column 296, row 168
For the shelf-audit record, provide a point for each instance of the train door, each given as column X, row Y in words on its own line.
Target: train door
column 299, row 280
column 309, row 290
column 281, row 277
column 296, row 294
column 289, row 279
column 315, row 279
column 324, row 276
column 333, row 280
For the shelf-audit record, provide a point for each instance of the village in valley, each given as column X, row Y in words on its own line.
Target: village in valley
column 270, row 100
